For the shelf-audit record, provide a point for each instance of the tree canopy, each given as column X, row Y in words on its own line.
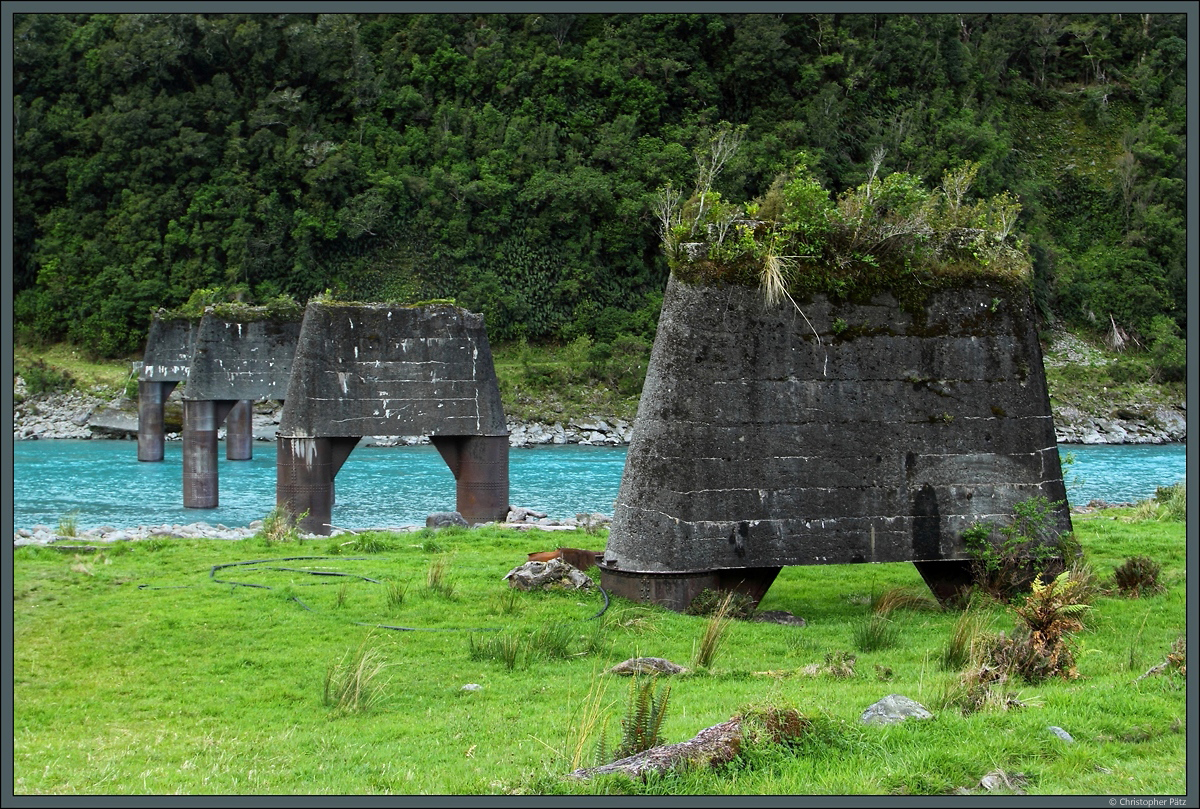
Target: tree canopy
column 514, row 162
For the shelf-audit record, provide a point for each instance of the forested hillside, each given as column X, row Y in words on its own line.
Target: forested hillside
column 511, row 161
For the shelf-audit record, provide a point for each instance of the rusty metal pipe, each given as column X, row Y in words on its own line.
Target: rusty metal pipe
column 480, row 467
column 239, row 432
column 151, row 431
column 199, row 454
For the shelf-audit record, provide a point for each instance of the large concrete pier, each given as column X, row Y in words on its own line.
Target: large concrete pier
column 165, row 363
column 239, row 356
column 387, row 369
column 850, row 433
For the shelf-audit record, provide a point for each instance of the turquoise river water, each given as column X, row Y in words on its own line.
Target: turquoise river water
column 103, row 484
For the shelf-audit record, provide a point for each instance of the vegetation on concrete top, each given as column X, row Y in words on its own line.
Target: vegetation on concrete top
column 889, row 232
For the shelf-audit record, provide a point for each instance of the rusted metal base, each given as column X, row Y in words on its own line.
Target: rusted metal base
column 675, row 591
column 201, row 418
column 480, row 467
column 239, row 432
column 151, row 432
column 950, row 580
column 304, row 473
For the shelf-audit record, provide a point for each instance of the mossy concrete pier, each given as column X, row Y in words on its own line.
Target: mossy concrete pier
column 388, row 369
column 828, row 433
column 240, row 354
column 165, row 363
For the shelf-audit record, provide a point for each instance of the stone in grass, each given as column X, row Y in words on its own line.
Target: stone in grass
column 998, row 780
column 894, row 708
column 554, row 573
column 1062, row 734
column 779, row 617
column 647, row 665
column 472, row 687
column 441, row 519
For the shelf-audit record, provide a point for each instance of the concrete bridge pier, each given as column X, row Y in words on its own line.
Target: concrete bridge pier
column 201, row 418
column 239, row 432
column 151, row 433
column 480, row 467
column 304, row 473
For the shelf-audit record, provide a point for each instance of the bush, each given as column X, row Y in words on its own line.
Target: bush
column 280, row 525
column 1040, row 647
column 1168, row 351
column 1173, row 500
column 1007, row 559
column 42, row 378
column 1138, row 577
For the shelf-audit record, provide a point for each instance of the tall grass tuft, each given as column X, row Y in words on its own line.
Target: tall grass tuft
column 971, row 626
column 877, row 632
column 68, row 524
column 903, row 598
column 588, row 723
column 370, row 542
column 715, row 629
column 395, row 594
column 436, row 579
column 1169, row 504
column 352, row 683
column 552, row 642
column 507, row 647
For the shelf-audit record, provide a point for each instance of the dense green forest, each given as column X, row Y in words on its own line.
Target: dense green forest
column 512, row 161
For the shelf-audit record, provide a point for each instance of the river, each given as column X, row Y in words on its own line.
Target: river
column 101, row 483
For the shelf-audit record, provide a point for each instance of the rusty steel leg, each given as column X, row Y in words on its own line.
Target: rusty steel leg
column 151, row 433
column 239, row 432
column 200, row 422
column 675, row 591
column 950, row 580
column 480, row 467
column 199, row 454
column 304, row 472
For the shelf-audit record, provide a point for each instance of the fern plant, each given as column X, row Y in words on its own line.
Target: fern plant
column 1040, row 645
column 644, row 715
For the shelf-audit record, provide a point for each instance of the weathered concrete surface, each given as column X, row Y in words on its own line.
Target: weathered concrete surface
column 235, row 358
column 380, row 369
column 247, row 357
column 756, row 446
column 386, row 369
column 165, row 363
column 168, row 354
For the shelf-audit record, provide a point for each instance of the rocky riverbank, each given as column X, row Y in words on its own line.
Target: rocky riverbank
column 79, row 415
column 67, row 538
column 1078, row 420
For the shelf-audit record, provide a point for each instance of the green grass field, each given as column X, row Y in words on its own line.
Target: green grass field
column 139, row 669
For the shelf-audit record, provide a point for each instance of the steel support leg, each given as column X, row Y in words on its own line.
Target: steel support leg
column 675, row 591
column 304, row 472
column 200, row 422
column 950, row 580
column 151, row 433
column 239, row 432
column 480, row 467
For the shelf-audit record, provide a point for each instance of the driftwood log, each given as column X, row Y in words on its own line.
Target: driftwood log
column 712, row 746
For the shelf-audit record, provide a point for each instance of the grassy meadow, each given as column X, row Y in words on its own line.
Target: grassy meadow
column 146, row 668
